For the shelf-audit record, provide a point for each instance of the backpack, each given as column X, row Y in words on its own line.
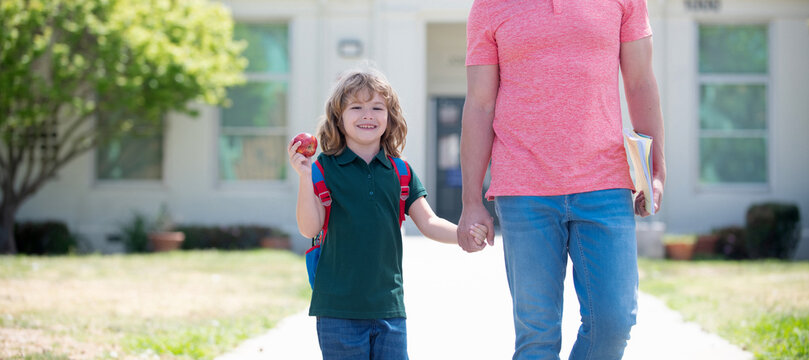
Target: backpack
column 319, row 182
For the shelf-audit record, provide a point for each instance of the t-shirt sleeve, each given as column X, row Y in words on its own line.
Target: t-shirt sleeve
column 635, row 21
column 417, row 190
column 481, row 46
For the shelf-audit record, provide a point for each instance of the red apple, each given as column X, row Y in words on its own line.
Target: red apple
column 308, row 144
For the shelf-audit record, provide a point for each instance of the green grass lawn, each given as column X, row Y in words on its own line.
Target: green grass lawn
column 762, row 306
column 178, row 305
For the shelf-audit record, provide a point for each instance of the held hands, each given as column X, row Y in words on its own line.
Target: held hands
column 640, row 198
column 473, row 217
column 479, row 233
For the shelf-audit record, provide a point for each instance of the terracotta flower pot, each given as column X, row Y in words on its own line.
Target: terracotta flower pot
column 679, row 251
column 166, row 240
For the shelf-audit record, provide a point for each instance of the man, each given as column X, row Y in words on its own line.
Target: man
column 543, row 105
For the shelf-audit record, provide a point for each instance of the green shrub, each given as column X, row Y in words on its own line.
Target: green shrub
column 134, row 234
column 772, row 230
column 731, row 242
column 233, row 237
column 44, row 238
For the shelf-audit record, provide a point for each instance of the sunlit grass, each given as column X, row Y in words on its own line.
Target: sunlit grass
column 762, row 306
column 190, row 304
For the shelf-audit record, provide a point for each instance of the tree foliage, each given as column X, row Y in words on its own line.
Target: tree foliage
column 74, row 72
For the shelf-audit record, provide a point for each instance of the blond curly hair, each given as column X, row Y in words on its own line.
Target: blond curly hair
column 350, row 86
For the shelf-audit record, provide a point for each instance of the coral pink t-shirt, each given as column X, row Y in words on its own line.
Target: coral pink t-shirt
column 557, row 120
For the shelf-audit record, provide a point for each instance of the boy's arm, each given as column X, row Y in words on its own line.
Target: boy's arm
column 430, row 225
column 309, row 212
column 439, row 229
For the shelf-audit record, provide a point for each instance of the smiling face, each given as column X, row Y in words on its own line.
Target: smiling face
column 364, row 121
column 381, row 126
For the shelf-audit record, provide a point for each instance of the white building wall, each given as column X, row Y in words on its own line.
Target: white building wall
column 405, row 66
column 394, row 34
column 680, row 114
column 689, row 207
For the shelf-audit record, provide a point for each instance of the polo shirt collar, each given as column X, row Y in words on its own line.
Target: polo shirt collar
column 347, row 156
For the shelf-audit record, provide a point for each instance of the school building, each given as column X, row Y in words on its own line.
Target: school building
column 733, row 78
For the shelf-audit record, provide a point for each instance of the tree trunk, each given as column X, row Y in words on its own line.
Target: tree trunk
column 7, row 243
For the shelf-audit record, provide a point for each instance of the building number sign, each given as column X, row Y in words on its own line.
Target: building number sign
column 702, row 5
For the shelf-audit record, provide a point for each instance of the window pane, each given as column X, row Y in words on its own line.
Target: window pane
column 733, row 107
column 256, row 104
column 267, row 47
column 133, row 157
column 733, row 160
column 252, row 157
column 733, row 49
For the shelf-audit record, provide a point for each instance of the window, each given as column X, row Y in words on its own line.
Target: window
column 733, row 82
column 138, row 155
column 252, row 141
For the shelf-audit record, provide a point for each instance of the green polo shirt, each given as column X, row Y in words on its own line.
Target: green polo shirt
column 359, row 275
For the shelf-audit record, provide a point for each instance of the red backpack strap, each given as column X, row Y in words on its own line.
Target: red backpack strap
column 403, row 171
column 322, row 192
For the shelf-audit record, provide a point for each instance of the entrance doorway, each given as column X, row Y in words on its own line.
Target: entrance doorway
column 448, row 111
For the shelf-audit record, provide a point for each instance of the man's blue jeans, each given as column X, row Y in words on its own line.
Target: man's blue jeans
column 597, row 230
column 362, row 339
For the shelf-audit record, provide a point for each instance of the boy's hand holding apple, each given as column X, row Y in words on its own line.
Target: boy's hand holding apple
column 308, row 145
column 301, row 149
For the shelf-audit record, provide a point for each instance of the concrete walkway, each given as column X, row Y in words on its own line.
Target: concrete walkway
column 455, row 315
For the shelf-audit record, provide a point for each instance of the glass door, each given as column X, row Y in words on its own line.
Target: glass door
column 448, row 159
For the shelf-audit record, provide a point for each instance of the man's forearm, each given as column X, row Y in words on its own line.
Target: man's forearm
column 476, row 150
column 643, row 102
column 643, row 98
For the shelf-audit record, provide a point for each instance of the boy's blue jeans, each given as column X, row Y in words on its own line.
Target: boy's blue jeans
column 597, row 230
column 381, row 339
